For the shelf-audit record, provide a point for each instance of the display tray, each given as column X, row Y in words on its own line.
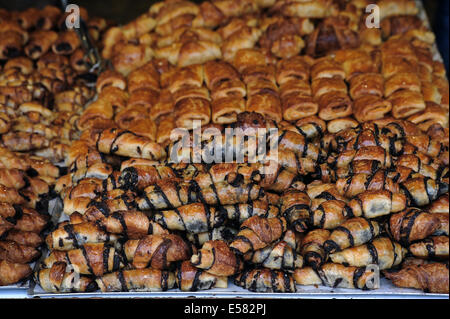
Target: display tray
column 387, row 290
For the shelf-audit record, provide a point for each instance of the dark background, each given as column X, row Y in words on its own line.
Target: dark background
column 122, row 11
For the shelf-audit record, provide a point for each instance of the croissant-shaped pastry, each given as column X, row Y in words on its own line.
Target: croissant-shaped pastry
column 265, row 281
column 17, row 253
column 353, row 232
column 142, row 176
column 66, row 43
column 24, row 238
column 190, row 278
column 48, row 17
column 156, row 251
column 443, row 228
column 193, row 218
column 239, row 213
column 57, row 280
column 39, row 44
column 226, row 194
column 11, row 273
column 90, row 259
column 429, row 277
column 381, row 251
column 71, row 236
column 223, row 233
column 440, row 205
column 257, row 233
column 11, row 44
column 374, row 153
column 12, row 178
column 189, row 53
column 421, row 191
column 10, row 195
column 140, row 280
column 24, row 141
column 130, row 224
column 166, row 194
column 312, row 247
column 336, row 276
column 129, row 57
column 433, row 247
column 372, row 204
column 280, row 256
column 126, row 143
column 216, row 258
column 22, row 219
column 358, row 183
column 330, row 35
column 411, row 225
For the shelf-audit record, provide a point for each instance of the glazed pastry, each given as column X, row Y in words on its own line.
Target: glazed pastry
column 312, row 248
column 11, row 273
column 21, row 218
column 406, row 103
column 191, row 110
column 125, row 143
column 193, row 218
column 337, row 125
column 381, row 251
column 372, row 204
column 190, row 278
column 24, row 238
column 12, row 178
column 156, row 251
column 17, row 253
column 440, row 205
column 10, row 195
column 40, row 42
column 433, row 247
column 265, row 280
column 241, row 212
column 257, row 233
column 89, row 259
column 411, row 225
column 216, row 258
column 429, row 278
column 66, row 43
column 223, row 233
column 57, row 280
column 421, row 191
column 370, row 107
column 335, row 276
column 353, row 232
column 358, row 183
column 130, row 224
column 279, row 256
column 189, row 53
column 70, row 237
column 142, row 280
column 138, row 176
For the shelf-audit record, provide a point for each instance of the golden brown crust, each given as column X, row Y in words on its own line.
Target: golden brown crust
column 218, row 259
column 430, row 278
column 156, row 251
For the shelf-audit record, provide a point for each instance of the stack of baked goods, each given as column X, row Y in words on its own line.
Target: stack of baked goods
column 26, row 188
column 44, row 84
column 358, row 182
column 44, row 78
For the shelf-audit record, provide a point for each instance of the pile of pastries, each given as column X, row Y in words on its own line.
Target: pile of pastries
column 44, row 84
column 359, row 178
